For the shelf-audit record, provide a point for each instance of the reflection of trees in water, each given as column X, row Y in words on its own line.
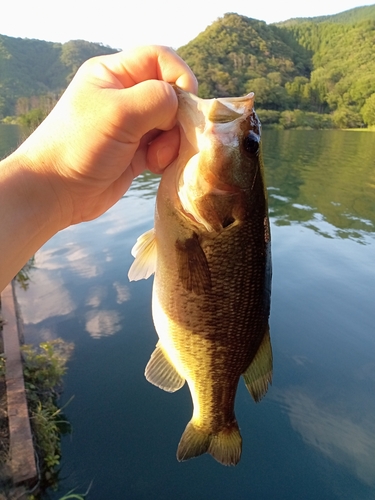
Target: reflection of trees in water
column 322, row 179
column 24, row 276
column 145, row 185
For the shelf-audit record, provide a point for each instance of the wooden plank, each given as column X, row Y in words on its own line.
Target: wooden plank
column 21, row 444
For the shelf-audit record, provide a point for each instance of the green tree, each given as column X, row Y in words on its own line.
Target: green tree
column 368, row 111
column 268, row 95
column 347, row 118
column 33, row 118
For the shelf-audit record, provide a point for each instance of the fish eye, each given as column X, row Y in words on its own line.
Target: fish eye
column 251, row 143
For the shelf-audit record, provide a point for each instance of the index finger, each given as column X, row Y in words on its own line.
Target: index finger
column 150, row 63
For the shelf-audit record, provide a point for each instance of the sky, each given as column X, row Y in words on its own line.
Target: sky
column 123, row 24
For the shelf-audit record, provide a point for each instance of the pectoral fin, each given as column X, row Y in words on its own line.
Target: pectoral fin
column 160, row 372
column 193, row 269
column 259, row 373
column 145, row 255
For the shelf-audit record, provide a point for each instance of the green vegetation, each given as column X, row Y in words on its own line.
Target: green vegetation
column 43, row 372
column 34, row 73
column 351, row 16
column 316, row 171
column 310, row 73
column 23, row 276
column 32, row 118
column 236, row 55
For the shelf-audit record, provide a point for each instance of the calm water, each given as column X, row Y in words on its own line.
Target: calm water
column 313, row 436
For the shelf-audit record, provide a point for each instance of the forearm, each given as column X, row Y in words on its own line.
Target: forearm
column 29, row 215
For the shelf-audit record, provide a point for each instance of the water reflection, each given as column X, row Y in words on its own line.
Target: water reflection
column 322, row 179
column 82, row 262
column 54, row 299
column 313, row 435
column 10, row 137
column 23, row 277
column 95, row 295
column 341, row 436
column 102, row 323
column 145, row 185
column 122, row 292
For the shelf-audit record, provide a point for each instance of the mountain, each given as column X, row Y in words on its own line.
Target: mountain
column 309, row 67
column 351, row 16
column 32, row 68
column 317, row 72
column 236, row 50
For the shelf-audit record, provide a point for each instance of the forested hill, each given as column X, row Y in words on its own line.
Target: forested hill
column 236, row 55
column 351, row 16
column 318, row 72
column 31, row 68
column 295, row 70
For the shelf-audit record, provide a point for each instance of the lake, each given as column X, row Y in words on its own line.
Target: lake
column 313, row 435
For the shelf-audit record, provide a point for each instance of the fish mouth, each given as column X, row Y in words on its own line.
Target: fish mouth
column 236, row 107
column 209, row 127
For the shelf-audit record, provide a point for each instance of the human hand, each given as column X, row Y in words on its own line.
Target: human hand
column 116, row 118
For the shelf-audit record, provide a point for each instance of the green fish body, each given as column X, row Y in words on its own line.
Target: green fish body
column 210, row 252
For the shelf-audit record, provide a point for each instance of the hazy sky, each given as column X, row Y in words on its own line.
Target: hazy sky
column 124, row 23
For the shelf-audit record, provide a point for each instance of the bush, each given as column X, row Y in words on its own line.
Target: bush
column 33, row 118
column 368, row 111
column 305, row 119
column 43, row 371
column 268, row 117
column 346, row 117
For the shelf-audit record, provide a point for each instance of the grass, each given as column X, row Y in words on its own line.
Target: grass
column 44, row 368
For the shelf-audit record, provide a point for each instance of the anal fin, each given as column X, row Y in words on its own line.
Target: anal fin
column 161, row 372
column 259, row 373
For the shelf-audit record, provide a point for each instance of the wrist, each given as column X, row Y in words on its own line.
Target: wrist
column 29, row 212
column 35, row 194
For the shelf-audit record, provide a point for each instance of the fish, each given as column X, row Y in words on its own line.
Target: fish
column 210, row 255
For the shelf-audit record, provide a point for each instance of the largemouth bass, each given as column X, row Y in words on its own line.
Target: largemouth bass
column 210, row 252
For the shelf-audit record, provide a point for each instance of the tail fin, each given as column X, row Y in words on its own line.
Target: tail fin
column 225, row 446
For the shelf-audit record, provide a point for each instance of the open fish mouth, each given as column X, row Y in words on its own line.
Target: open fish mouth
column 209, row 125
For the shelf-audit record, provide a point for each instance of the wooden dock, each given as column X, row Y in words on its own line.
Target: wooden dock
column 22, row 455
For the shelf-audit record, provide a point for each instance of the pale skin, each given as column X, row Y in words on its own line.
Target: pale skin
column 116, row 119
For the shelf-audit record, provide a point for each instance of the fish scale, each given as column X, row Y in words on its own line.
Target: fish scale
column 210, row 252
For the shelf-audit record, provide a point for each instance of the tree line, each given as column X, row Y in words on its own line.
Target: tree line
column 34, row 73
column 315, row 73
column 298, row 71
